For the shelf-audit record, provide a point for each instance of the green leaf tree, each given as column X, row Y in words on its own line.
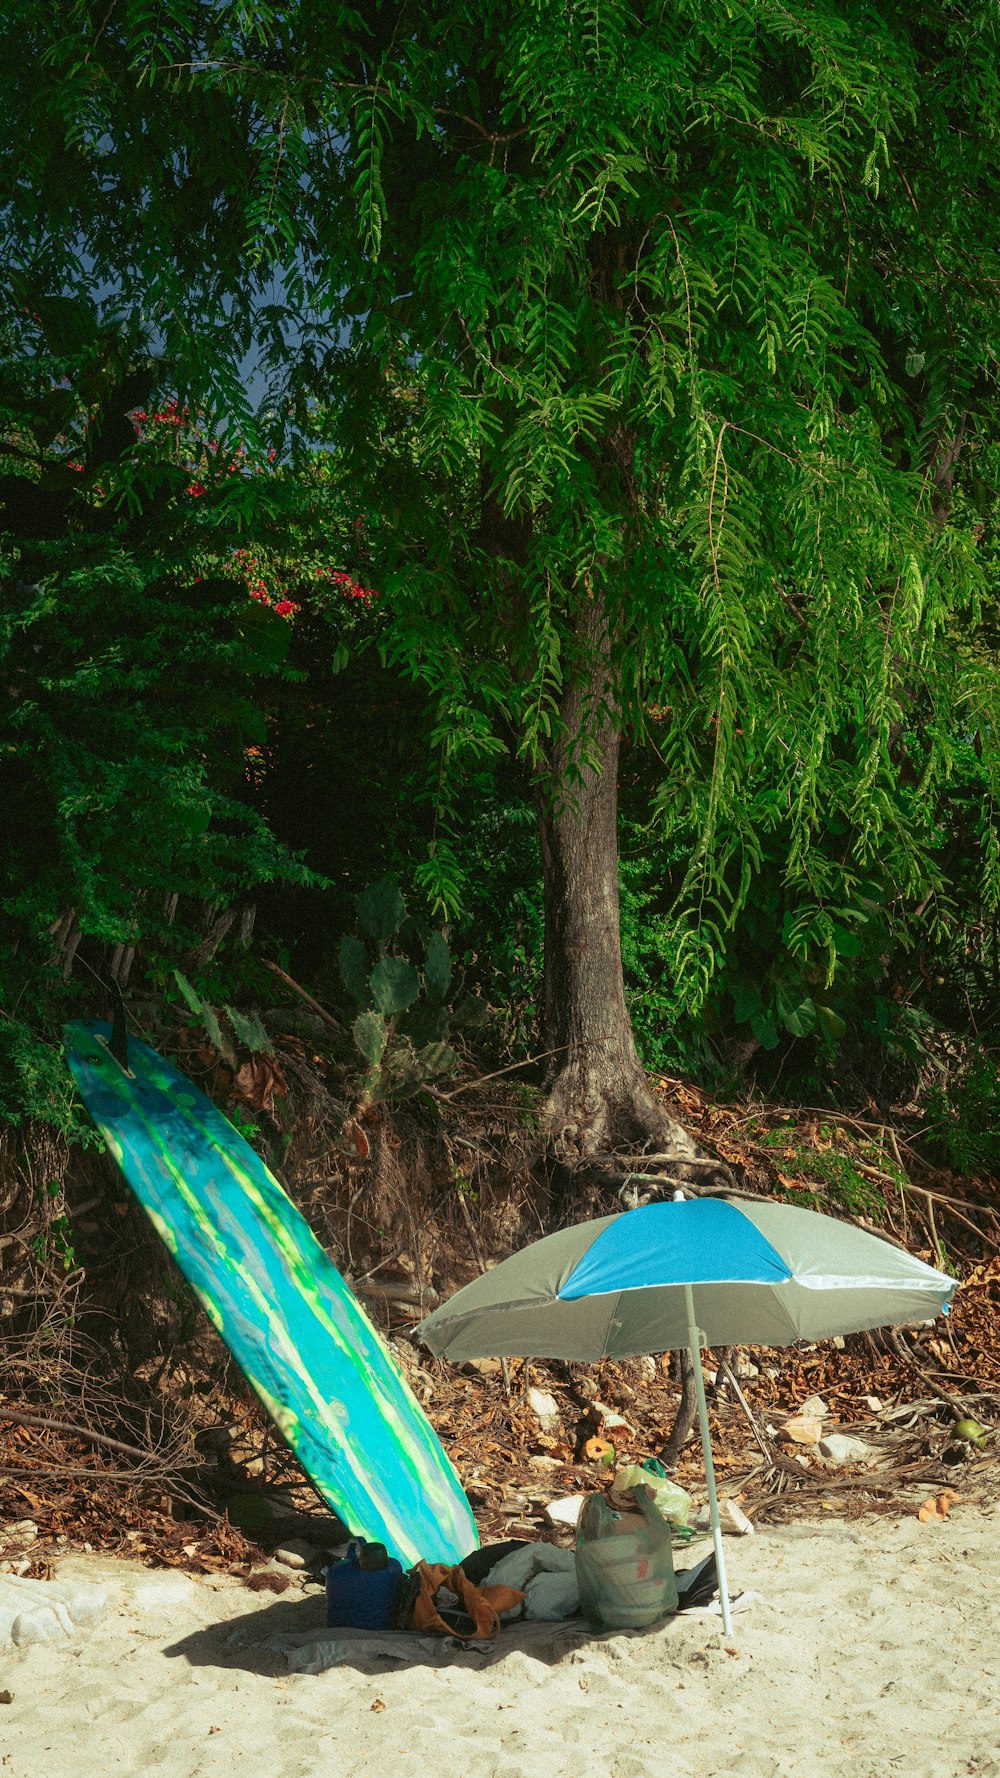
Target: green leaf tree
column 657, row 342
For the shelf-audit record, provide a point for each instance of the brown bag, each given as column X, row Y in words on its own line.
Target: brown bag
column 477, row 1616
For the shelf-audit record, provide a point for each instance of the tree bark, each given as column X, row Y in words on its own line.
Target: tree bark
column 599, row 1100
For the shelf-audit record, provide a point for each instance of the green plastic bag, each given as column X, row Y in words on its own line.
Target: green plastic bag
column 624, row 1566
column 672, row 1502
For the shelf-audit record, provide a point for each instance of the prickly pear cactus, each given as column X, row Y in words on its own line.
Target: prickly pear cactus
column 401, row 975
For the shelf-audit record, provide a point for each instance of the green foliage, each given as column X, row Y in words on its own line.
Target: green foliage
column 134, row 683
column 35, row 1084
column 246, row 1027
column 249, row 1031
column 834, row 1173
column 962, row 1116
column 677, row 316
column 243, row 1125
column 499, row 931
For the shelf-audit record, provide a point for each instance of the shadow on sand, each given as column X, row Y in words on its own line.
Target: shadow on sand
column 291, row 1636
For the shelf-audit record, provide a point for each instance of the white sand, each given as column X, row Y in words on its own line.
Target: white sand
column 872, row 1649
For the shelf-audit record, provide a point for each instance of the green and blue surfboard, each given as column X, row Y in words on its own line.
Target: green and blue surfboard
column 323, row 1373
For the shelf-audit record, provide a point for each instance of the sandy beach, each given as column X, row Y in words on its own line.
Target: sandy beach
column 867, row 1648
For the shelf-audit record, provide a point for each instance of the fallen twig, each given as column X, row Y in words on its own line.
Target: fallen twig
column 466, row 1086
column 939, row 1198
column 303, row 994
column 730, row 1376
column 71, row 1431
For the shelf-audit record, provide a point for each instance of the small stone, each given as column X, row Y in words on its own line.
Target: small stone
column 546, row 1409
column 837, row 1447
column 814, row 1409
column 296, row 1553
column 732, row 1519
column 745, row 1370
column 564, row 1514
column 838, row 1342
column 873, row 1404
column 610, row 1419
column 487, row 1368
column 647, row 1366
column 6, row 1697
column 802, row 1431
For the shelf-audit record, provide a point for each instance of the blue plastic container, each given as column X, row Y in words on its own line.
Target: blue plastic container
column 362, row 1589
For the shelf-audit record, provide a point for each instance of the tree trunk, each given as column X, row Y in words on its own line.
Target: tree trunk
column 687, row 1414
column 599, row 1099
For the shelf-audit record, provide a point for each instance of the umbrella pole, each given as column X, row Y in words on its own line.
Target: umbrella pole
column 695, row 1342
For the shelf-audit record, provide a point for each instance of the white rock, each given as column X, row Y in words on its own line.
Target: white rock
column 545, row 1409
column 744, row 1370
column 564, row 1514
column 873, row 1404
column 800, row 1430
column 814, row 1409
column 839, row 1448
column 45, row 1611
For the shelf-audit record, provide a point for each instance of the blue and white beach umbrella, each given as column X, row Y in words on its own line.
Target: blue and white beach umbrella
column 694, row 1272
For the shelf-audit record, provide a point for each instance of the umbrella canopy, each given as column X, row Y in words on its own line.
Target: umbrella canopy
column 760, row 1274
column 694, row 1272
